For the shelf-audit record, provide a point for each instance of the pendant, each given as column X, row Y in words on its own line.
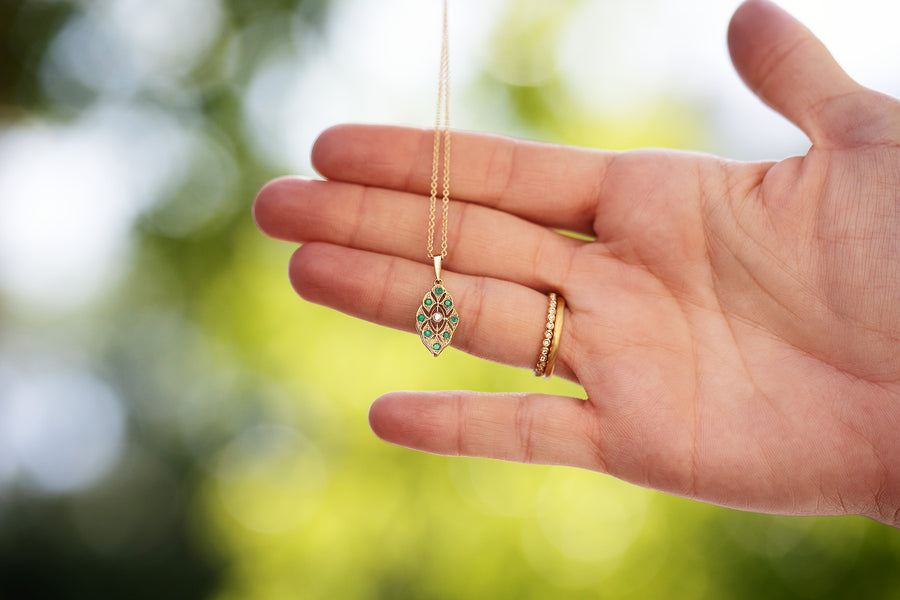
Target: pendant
column 436, row 319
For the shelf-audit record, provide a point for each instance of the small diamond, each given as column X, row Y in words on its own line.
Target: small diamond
column 544, row 352
column 551, row 318
column 546, row 343
column 548, row 335
column 550, row 326
column 437, row 317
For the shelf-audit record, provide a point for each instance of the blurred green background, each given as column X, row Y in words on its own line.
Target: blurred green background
column 175, row 423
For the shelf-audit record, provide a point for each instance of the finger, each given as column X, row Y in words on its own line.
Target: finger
column 530, row 428
column 556, row 186
column 484, row 241
column 498, row 320
column 784, row 64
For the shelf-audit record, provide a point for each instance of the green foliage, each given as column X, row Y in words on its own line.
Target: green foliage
column 27, row 28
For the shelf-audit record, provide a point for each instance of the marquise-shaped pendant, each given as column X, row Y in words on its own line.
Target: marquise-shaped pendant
column 436, row 319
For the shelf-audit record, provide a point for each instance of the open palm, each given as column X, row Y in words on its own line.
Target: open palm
column 736, row 326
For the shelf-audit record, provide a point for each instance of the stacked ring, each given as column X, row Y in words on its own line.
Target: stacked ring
column 553, row 333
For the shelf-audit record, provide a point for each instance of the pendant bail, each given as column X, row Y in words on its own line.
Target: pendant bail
column 437, row 267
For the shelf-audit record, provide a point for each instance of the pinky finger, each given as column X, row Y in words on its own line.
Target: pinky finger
column 529, row 428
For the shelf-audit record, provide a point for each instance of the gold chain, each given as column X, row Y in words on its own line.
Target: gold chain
column 441, row 135
column 436, row 318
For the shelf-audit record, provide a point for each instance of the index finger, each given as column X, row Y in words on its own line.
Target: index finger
column 552, row 185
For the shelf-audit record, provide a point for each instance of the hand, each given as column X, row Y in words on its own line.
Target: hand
column 736, row 326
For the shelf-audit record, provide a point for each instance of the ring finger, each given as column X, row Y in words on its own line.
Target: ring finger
column 499, row 320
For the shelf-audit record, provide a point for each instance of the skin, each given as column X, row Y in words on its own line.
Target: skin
column 735, row 326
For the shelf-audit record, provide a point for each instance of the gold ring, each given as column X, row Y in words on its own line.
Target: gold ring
column 556, row 310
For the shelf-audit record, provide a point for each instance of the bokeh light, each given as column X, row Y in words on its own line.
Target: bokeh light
column 64, row 430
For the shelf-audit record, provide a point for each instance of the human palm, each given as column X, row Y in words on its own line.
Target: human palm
column 735, row 326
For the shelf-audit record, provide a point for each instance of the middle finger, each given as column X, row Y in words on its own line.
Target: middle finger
column 483, row 241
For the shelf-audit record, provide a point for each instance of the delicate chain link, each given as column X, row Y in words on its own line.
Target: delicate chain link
column 441, row 136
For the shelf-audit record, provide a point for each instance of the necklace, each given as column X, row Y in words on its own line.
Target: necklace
column 436, row 319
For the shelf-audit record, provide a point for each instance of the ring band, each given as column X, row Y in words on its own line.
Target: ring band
column 556, row 310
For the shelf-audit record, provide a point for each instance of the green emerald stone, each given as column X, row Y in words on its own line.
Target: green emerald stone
column 428, row 301
column 427, row 333
column 446, row 335
column 438, row 290
column 436, row 346
column 420, row 318
column 448, row 302
column 454, row 319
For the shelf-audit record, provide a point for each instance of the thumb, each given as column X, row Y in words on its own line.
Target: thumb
column 532, row 428
column 784, row 64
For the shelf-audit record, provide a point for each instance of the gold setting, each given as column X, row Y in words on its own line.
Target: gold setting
column 437, row 319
